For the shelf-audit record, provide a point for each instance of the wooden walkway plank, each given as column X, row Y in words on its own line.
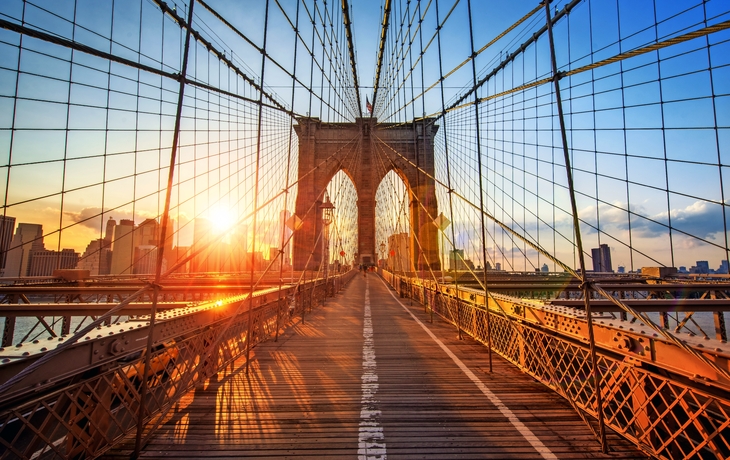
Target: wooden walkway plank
column 330, row 389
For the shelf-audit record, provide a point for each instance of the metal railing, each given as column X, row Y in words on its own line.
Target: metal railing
column 82, row 412
column 651, row 394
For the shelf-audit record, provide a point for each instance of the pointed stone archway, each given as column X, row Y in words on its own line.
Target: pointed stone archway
column 326, row 148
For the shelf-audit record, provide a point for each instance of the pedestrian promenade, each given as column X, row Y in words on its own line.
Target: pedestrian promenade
column 366, row 376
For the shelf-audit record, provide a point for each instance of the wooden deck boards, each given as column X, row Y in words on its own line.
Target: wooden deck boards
column 304, row 395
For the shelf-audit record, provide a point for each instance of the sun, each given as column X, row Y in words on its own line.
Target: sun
column 222, row 219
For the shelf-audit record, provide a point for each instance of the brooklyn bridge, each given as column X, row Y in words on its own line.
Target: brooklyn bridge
column 348, row 229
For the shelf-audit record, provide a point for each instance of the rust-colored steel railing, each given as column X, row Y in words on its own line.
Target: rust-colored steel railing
column 83, row 414
column 52, row 308
column 651, row 394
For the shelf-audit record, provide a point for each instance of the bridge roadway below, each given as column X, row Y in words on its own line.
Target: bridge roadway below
column 329, row 388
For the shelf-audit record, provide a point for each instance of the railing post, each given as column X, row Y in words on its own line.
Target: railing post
column 458, row 314
column 278, row 307
column 720, row 329
column 8, row 331
column 66, row 325
column 432, row 303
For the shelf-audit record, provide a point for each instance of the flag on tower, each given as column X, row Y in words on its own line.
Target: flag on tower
column 368, row 105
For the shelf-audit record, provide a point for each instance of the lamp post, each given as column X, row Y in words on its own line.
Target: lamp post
column 382, row 254
column 327, row 218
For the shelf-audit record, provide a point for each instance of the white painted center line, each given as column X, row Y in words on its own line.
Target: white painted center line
column 371, row 442
column 494, row 399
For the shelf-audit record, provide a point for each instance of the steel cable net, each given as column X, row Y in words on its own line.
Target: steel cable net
column 644, row 97
column 89, row 94
column 152, row 143
column 98, row 100
column 628, row 127
column 644, row 103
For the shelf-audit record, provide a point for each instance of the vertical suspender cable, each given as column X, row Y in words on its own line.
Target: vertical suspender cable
column 351, row 52
column 415, row 225
column 448, row 171
column 423, row 135
column 288, row 167
column 481, row 183
column 381, row 48
column 720, row 327
column 585, row 285
column 65, row 143
column 663, row 130
column 256, row 190
column 163, row 232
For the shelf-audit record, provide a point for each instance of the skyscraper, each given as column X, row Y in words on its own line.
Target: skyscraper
column 457, row 260
column 146, row 241
column 97, row 257
column 240, row 259
column 147, row 233
column 7, row 226
column 398, row 254
column 28, row 238
column 602, row 259
column 43, row 262
column 109, row 233
column 145, row 260
column 122, row 248
column 724, row 268
column 202, row 238
column 702, row 267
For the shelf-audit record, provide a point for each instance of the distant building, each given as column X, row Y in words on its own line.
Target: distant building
column 258, row 260
column 29, row 257
column 544, row 268
column 147, row 233
column 96, row 258
column 145, row 260
column 148, row 240
column 43, row 262
column 724, row 268
column 283, row 217
column 177, row 254
column 202, row 242
column 109, row 233
column 498, row 266
column 702, row 267
column 123, row 248
column 602, row 259
column 621, row 269
column 456, row 259
column 28, row 238
column 274, row 256
column 7, row 227
column 398, row 254
column 239, row 249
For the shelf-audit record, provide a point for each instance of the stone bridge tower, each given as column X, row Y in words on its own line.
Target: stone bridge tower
column 364, row 150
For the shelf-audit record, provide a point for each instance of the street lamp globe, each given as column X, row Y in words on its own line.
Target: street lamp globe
column 328, row 210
